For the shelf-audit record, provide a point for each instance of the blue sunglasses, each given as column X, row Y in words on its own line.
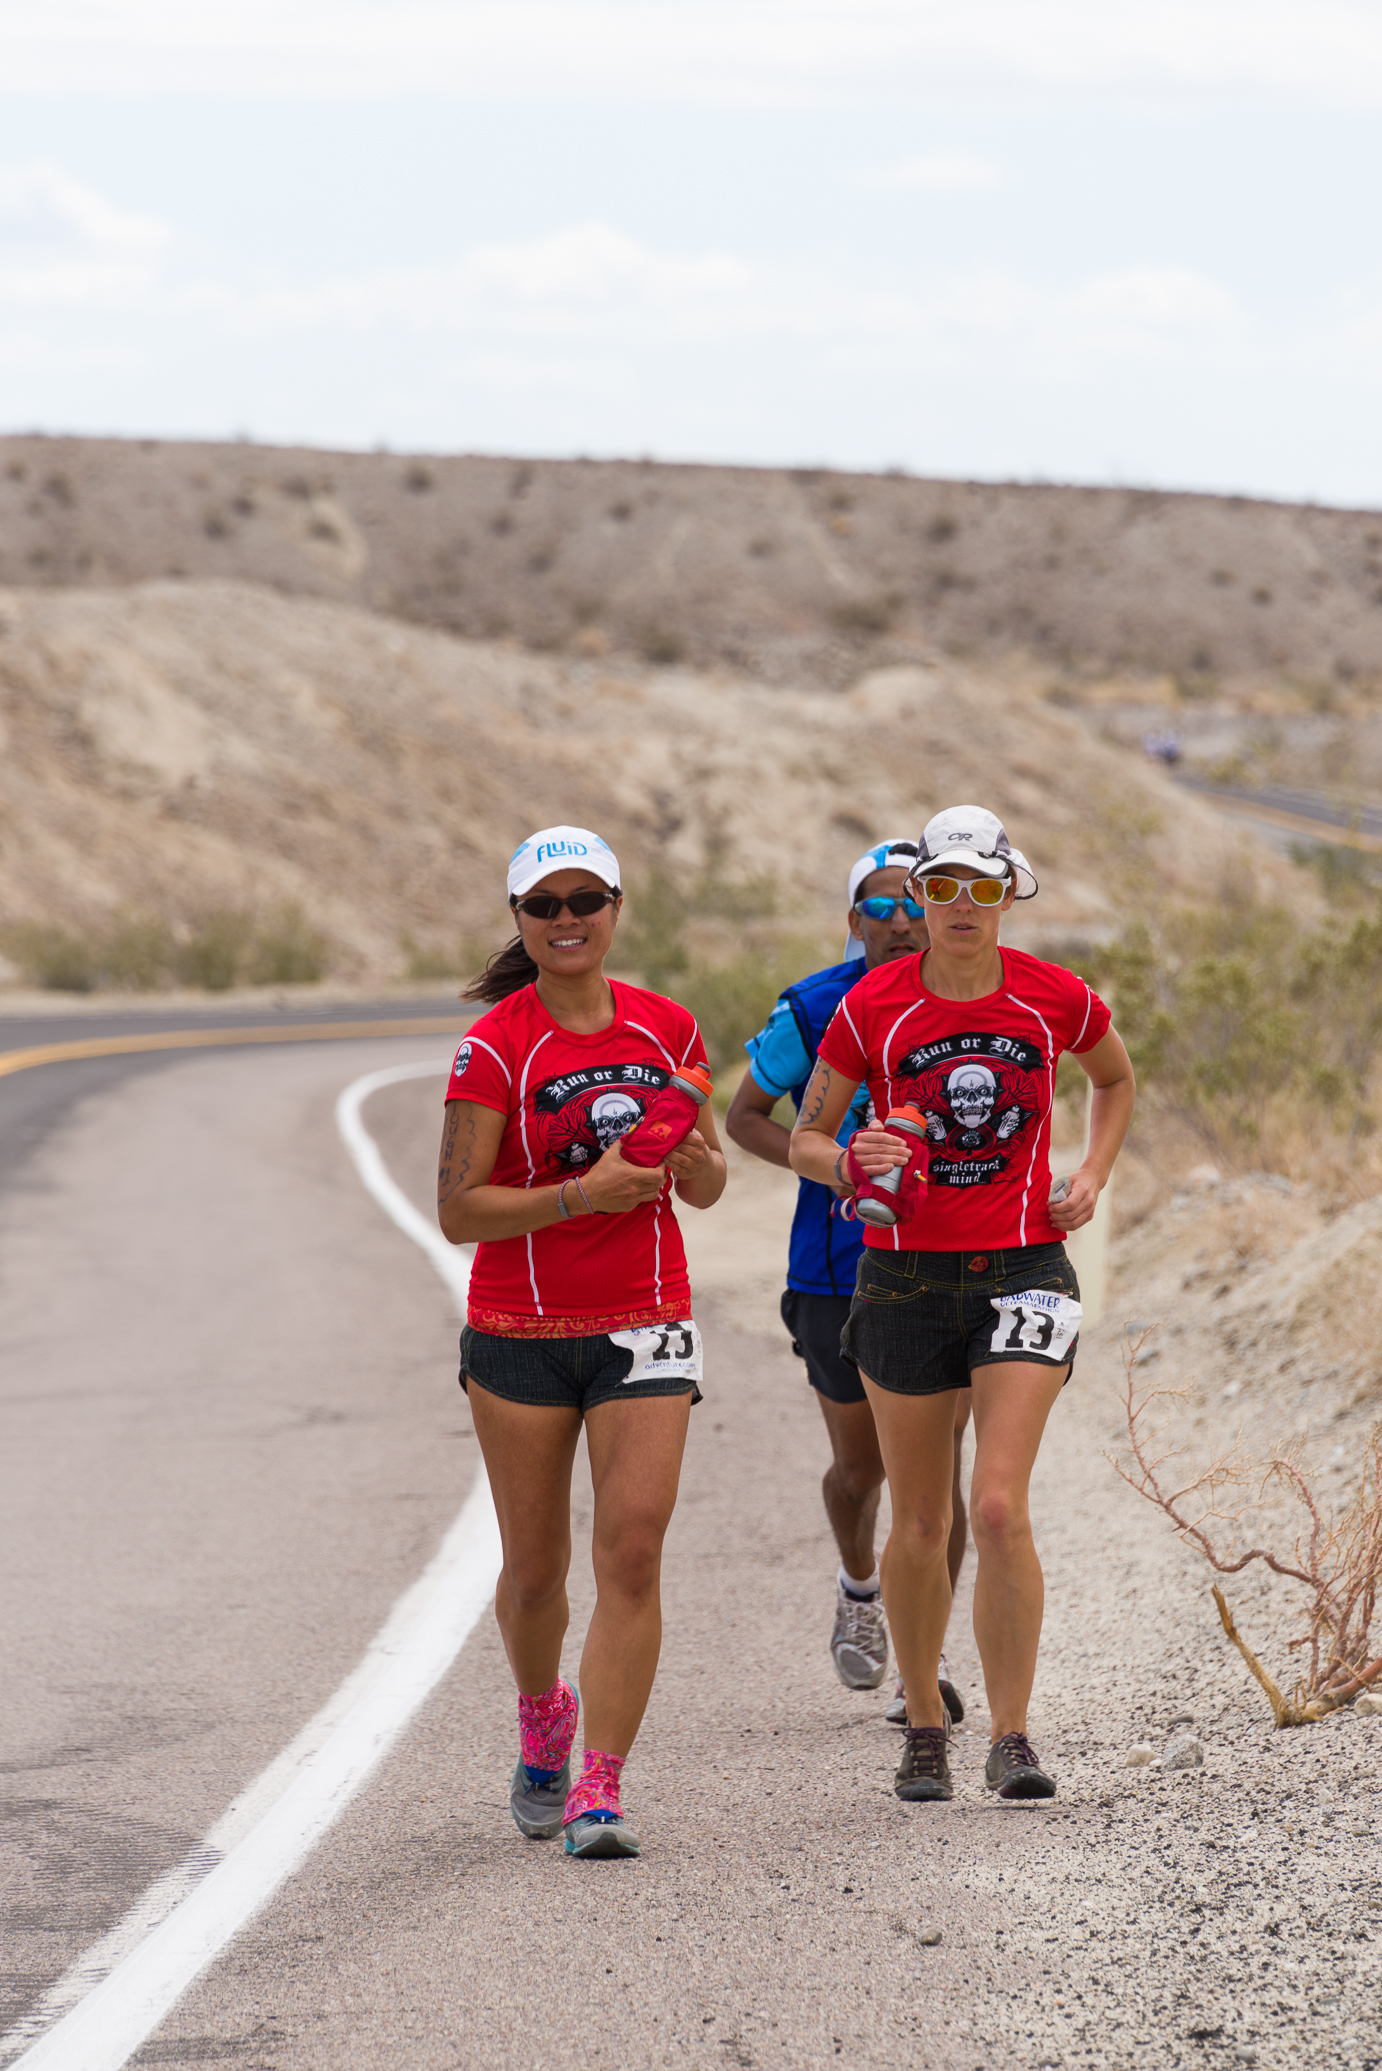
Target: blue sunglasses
column 884, row 909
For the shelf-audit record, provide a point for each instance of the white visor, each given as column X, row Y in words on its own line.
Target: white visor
column 893, row 854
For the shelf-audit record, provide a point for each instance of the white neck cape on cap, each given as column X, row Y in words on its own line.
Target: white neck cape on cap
column 969, row 834
column 560, row 848
column 884, row 855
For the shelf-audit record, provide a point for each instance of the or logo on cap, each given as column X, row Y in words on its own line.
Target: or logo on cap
column 549, row 849
column 463, row 1057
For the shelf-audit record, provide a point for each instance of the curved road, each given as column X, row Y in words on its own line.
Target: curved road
column 232, row 1438
column 1279, row 812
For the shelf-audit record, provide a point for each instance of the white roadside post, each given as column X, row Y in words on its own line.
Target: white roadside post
column 1088, row 1247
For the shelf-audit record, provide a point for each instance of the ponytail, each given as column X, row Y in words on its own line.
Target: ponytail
column 508, row 970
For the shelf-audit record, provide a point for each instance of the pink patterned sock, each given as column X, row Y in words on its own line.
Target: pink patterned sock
column 598, row 1789
column 546, row 1729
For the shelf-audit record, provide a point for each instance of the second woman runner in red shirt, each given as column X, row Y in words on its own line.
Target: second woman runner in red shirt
column 971, row 1287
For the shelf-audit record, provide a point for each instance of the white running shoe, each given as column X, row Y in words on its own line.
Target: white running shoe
column 859, row 1643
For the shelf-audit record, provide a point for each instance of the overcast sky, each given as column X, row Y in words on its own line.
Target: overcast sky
column 1061, row 239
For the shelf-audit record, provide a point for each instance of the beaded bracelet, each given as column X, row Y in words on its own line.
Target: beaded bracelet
column 562, row 1209
column 585, row 1197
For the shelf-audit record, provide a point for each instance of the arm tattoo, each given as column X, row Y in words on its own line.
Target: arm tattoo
column 457, row 1149
column 817, row 1093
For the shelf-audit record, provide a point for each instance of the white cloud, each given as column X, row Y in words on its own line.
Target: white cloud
column 63, row 243
column 719, row 51
column 586, row 288
column 575, row 282
column 939, row 172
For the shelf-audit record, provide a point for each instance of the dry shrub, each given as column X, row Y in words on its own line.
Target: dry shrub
column 712, row 941
column 1260, row 1032
column 223, row 947
column 1336, row 1559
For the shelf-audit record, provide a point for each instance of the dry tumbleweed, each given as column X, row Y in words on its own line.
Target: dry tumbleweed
column 1338, row 1560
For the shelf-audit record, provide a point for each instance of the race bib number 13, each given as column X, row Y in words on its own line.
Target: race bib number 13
column 1036, row 1322
column 662, row 1351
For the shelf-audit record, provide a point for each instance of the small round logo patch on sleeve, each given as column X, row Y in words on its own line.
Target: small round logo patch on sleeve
column 462, row 1060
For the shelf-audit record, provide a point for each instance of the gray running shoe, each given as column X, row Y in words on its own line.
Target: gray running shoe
column 859, row 1643
column 537, row 1807
column 924, row 1771
column 896, row 1714
column 1014, row 1770
column 589, row 1837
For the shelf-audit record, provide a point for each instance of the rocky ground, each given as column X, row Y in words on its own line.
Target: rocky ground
column 800, row 575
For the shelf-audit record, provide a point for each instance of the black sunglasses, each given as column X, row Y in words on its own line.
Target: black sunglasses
column 546, row 905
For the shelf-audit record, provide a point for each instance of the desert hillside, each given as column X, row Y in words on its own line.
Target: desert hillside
column 793, row 576
column 174, row 748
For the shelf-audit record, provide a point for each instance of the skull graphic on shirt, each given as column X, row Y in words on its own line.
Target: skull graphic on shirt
column 979, row 1108
column 580, row 1114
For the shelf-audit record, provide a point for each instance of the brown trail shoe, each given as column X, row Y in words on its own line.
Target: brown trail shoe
column 1014, row 1770
column 924, row 1771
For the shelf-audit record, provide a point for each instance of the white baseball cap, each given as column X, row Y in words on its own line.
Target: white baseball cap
column 968, row 834
column 560, row 848
column 884, row 855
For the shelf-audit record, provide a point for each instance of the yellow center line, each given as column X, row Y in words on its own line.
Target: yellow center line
column 213, row 1038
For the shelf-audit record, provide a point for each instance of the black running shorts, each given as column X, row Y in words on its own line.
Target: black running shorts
column 814, row 1322
column 921, row 1321
column 560, row 1373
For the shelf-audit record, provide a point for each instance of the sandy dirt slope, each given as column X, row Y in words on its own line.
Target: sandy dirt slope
column 786, row 574
column 176, row 747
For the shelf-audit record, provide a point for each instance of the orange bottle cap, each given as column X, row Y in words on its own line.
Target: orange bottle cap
column 698, row 1076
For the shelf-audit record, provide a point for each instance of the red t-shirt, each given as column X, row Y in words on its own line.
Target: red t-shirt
column 566, row 1098
column 984, row 1074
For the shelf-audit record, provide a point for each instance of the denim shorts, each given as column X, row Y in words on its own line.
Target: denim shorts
column 559, row 1373
column 815, row 1322
column 921, row 1321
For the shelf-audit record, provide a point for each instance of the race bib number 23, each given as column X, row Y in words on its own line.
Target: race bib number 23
column 1036, row 1322
column 662, row 1351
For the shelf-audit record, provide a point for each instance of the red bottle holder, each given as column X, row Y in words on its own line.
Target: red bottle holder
column 669, row 1120
column 894, row 1197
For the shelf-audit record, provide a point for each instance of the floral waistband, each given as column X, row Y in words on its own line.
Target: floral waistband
column 502, row 1323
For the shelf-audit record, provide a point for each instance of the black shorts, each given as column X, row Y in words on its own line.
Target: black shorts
column 560, row 1373
column 920, row 1321
column 814, row 1322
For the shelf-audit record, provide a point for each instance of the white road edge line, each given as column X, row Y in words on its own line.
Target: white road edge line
column 115, row 1995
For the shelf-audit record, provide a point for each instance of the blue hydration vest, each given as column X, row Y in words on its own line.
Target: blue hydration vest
column 824, row 1250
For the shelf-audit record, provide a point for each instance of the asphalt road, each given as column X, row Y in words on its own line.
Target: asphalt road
column 1284, row 814
column 32, row 1101
column 232, row 1437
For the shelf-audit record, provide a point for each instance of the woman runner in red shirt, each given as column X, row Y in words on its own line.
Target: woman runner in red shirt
column 970, row 1287
column 579, row 1312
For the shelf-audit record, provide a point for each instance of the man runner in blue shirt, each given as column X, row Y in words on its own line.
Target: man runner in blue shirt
column 824, row 1254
